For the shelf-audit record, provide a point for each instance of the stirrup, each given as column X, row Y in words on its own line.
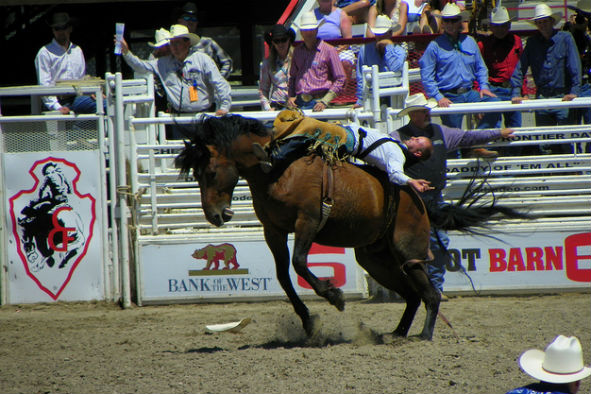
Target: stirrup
column 266, row 166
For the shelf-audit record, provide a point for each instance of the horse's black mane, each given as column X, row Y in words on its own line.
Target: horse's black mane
column 216, row 131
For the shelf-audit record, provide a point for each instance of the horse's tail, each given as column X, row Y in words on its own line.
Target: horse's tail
column 470, row 218
column 471, row 213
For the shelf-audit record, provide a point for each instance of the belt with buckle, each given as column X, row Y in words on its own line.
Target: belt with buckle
column 551, row 92
column 459, row 90
column 66, row 97
column 504, row 84
column 309, row 97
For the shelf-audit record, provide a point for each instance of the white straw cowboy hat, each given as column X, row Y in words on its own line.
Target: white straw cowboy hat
column 162, row 37
column 452, row 10
column 500, row 16
column 415, row 102
column 308, row 21
column 561, row 362
column 544, row 11
column 181, row 31
column 383, row 25
column 583, row 6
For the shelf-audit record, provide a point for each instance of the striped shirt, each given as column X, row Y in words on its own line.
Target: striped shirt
column 273, row 83
column 315, row 71
column 213, row 50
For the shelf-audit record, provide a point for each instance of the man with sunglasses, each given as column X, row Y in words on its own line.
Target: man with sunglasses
column 62, row 60
column 207, row 45
column 450, row 66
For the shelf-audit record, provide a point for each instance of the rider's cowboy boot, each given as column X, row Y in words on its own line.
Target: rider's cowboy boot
column 261, row 154
column 484, row 153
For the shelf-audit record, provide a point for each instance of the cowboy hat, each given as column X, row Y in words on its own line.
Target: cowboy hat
column 500, row 16
column 60, row 19
column 415, row 102
column 583, row 7
column 278, row 32
column 544, row 11
column 561, row 362
column 382, row 26
column 162, row 37
column 181, row 31
column 452, row 10
column 308, row 21
column 189, row 8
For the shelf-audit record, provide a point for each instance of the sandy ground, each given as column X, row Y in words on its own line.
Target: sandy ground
column 100, row 348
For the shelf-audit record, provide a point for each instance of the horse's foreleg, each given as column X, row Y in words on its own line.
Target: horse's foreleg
column 324, row 288
column 277, row 242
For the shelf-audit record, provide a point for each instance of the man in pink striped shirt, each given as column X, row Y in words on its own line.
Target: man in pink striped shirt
column 316, row 75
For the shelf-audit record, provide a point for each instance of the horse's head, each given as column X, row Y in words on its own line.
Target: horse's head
column 211, row 156
column 217, row 176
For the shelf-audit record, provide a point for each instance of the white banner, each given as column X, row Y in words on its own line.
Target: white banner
column 55, row 248
column 237, row 269
column 539, row 260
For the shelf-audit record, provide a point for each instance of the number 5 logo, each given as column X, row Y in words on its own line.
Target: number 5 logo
column 339, row 273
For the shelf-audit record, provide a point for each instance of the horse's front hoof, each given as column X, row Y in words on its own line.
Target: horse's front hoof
column 312, row 326
column 335, row 297
column 400, row 333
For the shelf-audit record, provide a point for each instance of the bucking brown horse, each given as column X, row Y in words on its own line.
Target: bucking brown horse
column 387, row 225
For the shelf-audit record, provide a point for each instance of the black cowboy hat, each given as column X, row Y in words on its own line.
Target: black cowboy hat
column 277, row 32
column 189, row 8
column 60, row 19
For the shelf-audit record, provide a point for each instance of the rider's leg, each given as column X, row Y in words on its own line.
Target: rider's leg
column 282, row 155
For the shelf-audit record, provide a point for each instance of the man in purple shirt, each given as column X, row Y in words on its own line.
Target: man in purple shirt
column 444, row 139
column 316, row 75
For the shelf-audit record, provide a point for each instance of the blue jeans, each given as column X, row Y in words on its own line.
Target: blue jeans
column 512, row 118
column 490, row 119
column 438, row 243
column 436, row 269
column 584, row 114
column 553, row 117
column 83, row 105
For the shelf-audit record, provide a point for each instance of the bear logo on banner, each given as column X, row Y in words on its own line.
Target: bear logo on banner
column 52, row 224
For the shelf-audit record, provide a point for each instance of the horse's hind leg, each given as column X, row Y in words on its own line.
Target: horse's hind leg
column 424, row 289
column 380, row 264
column 304, row 235
column 277, row 242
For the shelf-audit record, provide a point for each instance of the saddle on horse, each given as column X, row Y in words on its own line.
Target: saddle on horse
column 330, row 140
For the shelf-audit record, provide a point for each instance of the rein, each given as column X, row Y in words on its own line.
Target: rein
column 327, row 193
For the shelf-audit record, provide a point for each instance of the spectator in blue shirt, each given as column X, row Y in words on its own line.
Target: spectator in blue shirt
column 577, row 26
column 559, row 368
column 555, row 66
column 383, row 52
column 450, row 66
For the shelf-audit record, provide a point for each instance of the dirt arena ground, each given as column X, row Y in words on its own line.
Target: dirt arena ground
column 99, row 348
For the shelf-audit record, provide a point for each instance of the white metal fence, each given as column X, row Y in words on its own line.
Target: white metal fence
column 145, row 200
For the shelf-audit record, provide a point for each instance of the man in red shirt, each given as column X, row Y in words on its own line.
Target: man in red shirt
column 501, row 52
column 316, row 75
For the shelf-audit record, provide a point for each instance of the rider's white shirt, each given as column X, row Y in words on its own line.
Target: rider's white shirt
column 388, row 157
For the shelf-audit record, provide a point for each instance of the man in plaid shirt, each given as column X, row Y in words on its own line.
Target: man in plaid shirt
column 207, row 45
